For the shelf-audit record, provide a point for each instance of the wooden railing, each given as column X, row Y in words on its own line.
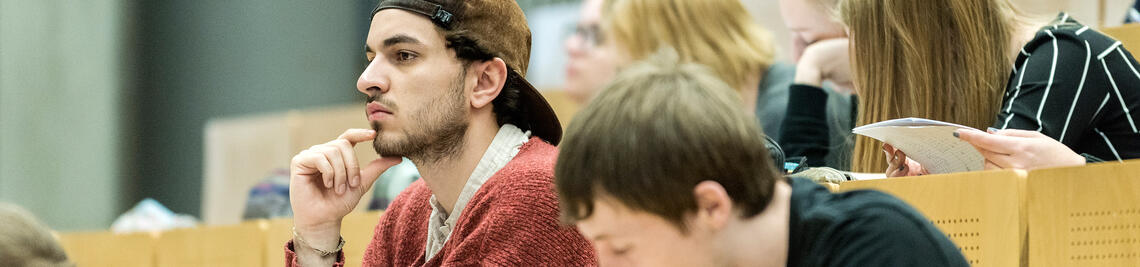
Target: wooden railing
column 1079, row 216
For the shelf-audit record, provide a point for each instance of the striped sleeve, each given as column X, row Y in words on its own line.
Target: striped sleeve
column 1078, row 87
column 1049, row 87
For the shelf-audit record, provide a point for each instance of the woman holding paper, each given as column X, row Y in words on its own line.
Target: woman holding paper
column 965, row 61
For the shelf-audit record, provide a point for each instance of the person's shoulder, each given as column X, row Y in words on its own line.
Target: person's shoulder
column 1070, row 32
column 782, row 69
column 778, row 76
column 524, row 186
column 891, row 235
column 534, row 164
column 817, row 202
column 871, row 228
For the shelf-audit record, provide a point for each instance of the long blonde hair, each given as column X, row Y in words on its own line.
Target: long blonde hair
column 719, row 34
column 938, row 59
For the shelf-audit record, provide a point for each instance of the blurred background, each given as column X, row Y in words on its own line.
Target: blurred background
column 106, row 102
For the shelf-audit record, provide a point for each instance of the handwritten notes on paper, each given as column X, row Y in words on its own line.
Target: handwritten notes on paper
column 929, row 142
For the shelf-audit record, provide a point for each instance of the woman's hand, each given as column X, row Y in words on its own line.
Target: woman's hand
column 898, row 165
column 826, row 60
column 1020, row 149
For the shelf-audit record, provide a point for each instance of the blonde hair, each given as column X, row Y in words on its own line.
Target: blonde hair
column 937, row 59
column 719, row 34
column 26, row 242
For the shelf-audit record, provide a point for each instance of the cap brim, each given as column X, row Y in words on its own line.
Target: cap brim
column 536, row 112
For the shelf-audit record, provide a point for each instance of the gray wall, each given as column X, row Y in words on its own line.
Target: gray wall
column 60, row 116
column 204, row 59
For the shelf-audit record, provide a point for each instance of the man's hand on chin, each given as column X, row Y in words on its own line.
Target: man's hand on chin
column 326, row 183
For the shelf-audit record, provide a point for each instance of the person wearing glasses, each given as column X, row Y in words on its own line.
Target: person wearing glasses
column 589, row 66
column 719, row 34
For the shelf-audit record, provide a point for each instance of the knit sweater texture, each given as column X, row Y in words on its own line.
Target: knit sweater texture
column 511, row 221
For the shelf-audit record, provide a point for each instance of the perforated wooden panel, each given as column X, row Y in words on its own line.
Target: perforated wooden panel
column 981, row 212
column 1087, row 216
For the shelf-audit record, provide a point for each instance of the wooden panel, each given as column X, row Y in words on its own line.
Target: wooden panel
column 1085, row 216
column 233, row 245
column 1129, row 35
column 277, row 233
column 239, row 152
column 98, row 249
column 981, row 212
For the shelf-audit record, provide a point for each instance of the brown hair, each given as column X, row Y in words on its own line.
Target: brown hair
column 716, row 33
column 26, row 242
column 939, row 59
column 659, row 129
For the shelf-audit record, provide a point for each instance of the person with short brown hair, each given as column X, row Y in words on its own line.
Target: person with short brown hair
column 663, row 168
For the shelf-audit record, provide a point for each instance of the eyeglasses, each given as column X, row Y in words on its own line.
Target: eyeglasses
column 590, row 36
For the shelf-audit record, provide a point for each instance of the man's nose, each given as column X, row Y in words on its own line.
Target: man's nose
column 374, row 79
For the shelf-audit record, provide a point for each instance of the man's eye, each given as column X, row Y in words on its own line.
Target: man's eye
column 404, row 56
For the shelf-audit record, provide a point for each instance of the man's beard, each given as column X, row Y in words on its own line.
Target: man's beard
column 442, row 128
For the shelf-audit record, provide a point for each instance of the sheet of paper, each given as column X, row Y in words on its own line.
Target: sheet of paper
column 928, row 142
column 861, row 176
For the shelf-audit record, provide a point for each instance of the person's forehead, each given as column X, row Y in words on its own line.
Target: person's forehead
column 591, row 11
column 392, row 21
column 611, row 218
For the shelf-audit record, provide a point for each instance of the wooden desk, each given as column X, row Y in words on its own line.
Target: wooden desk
column 1085, row 216
column 107, row 249
column 231, row 245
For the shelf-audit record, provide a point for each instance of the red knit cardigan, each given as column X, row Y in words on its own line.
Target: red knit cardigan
column 511, row 221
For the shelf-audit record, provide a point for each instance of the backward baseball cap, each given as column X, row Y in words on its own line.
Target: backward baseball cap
column 500, row 27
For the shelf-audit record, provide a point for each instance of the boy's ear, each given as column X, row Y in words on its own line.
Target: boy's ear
column 490, row 76
column 714, row 206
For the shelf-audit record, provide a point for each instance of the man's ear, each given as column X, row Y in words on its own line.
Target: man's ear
column 714, row 206
column 490, row 77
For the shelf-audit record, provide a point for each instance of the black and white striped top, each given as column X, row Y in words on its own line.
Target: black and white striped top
column 1077, row 86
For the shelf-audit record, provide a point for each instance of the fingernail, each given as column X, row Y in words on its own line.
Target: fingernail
column 991, row 130
column 340, row 189
column 355, row 181
column 956, row 134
